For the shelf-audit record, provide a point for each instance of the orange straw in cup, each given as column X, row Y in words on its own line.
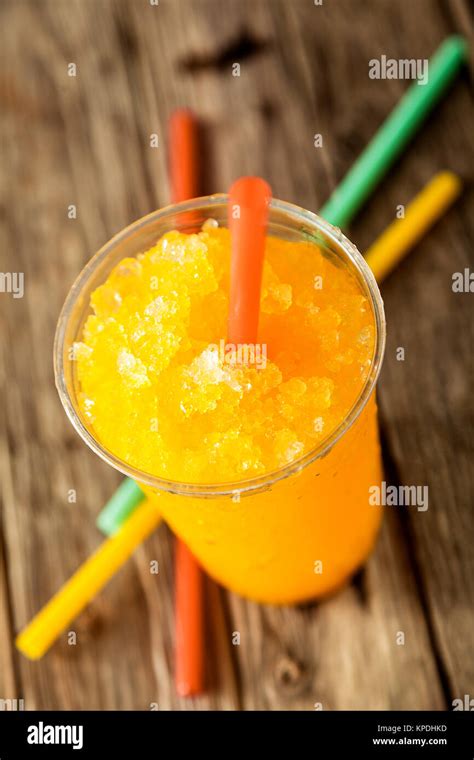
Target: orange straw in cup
column 249, row 198
column 183, row 168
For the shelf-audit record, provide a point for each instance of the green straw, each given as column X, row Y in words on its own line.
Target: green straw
column 127, row 496
column 347, row 198
column 394, row 134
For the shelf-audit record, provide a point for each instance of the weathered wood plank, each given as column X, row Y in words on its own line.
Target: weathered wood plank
column 9, row 687
column 426, row 400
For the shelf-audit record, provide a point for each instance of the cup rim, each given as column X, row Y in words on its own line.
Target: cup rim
column 260, row 482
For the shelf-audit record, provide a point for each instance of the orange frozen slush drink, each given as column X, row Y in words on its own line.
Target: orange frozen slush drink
column 259, row 457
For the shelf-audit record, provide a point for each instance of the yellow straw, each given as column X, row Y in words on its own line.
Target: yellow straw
column 93, row 575
column 86, row 582
column 424, row 210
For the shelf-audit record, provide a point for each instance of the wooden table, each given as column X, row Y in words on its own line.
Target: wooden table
column 84, row 141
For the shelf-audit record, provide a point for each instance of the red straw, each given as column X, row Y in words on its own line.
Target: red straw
column 184, row 171
column 249, row 198
column 184, row 155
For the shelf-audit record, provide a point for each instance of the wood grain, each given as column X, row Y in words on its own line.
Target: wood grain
column 85, row 140
column 8, row 681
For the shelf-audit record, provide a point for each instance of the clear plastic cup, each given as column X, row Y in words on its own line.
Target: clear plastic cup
column 292, row 534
